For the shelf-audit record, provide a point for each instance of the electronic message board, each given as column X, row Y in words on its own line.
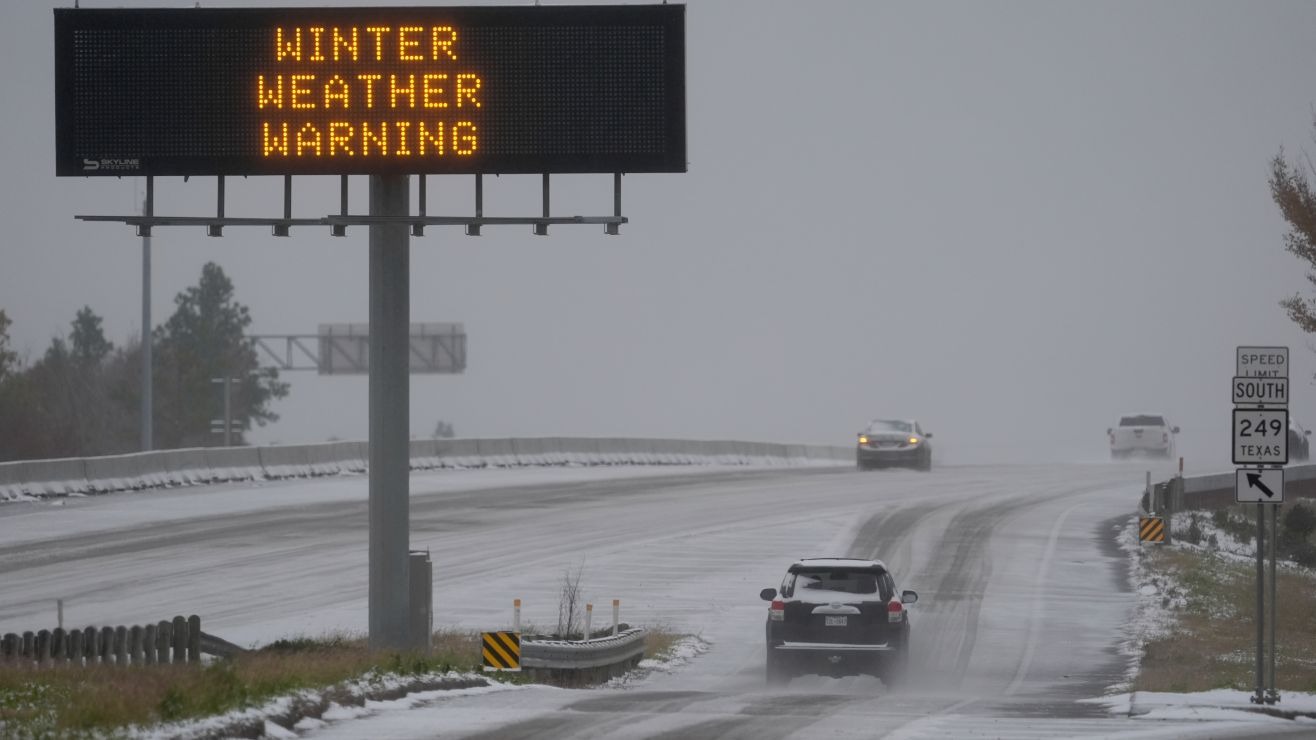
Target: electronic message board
column 527, row 89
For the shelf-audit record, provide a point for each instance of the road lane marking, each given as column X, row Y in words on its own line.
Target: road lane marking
column 1039, row 598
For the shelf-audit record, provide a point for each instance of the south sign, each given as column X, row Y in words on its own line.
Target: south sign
column 1261, row 391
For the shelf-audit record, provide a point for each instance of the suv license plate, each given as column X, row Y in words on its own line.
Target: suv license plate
column 834, row 621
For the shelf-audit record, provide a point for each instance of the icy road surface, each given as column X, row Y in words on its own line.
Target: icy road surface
column 1023, row 596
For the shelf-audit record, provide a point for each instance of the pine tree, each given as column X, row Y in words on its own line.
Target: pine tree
column 204, row 340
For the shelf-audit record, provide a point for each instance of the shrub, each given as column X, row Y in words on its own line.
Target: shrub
column 1299, row 521
column 1241, row 529
column 1304, row 554
column 1194, row 533
column 1220, row 518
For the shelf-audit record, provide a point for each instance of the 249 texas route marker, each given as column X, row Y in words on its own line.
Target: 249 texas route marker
column 1261, row 436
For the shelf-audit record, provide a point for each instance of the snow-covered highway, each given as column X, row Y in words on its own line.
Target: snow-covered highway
column 1024, row 600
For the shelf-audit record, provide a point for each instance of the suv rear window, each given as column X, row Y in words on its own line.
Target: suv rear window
column 1144, row 420
column 809, row 582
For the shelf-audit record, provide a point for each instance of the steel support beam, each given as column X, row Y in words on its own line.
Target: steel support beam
column 148, row 433
column 390, row 321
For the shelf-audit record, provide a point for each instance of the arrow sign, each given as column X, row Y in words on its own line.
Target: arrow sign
column 1254, row 480
column 1263, row 486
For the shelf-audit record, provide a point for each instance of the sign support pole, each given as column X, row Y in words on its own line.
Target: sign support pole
column 1273, row 695
column 390, row 320
column 148, row 210
column 1261, row 604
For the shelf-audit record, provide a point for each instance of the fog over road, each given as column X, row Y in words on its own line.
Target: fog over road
column 1023, row 596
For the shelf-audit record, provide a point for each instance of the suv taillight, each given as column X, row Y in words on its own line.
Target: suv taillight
column 895, row 611
column 777, row 612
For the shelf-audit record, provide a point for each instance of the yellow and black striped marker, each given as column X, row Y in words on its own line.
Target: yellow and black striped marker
column 502, row 651
column 1151, row 529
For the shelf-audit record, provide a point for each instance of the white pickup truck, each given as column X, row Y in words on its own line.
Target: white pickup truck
column 1147, row 434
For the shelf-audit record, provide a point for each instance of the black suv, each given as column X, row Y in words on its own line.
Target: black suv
column 837, row 616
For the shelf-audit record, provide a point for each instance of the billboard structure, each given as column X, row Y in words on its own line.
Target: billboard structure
column 210, row 91
column 386, row 92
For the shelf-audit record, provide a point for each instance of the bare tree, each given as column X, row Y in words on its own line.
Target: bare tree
column 570, row 612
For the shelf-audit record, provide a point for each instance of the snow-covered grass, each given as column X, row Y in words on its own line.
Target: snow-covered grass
column 306, row 711
column 289, row 686
column 287, row 679
column 1191, row 640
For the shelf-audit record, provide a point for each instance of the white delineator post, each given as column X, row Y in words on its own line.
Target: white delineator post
column 589, row 617
column 516, row 615
column 616, row 616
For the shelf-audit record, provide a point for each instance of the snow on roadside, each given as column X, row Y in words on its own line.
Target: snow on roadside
column 682, row 652
column 309, row 709
column 1159, row 599
column 1157, row 595
column 304, row 711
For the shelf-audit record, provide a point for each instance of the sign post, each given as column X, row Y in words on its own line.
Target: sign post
column 1260, row 395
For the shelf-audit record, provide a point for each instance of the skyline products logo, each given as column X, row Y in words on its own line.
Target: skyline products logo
column 111, row 163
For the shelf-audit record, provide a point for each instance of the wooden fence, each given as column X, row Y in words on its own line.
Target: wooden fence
column 177, row 641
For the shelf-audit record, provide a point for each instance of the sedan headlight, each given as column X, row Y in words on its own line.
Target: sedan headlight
column 863, row 440
column 914, row 440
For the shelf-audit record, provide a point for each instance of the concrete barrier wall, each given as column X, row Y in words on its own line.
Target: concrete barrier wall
column 186, row 467
column 496, row 452
column 424, row 454
column 50, row 477
column 11, row 483
column 233, row 463
column 285, row 461
column 458, row 453
column 125, row 472
column 200, row 466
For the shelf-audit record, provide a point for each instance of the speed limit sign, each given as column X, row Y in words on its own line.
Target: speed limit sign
column 1261, row 436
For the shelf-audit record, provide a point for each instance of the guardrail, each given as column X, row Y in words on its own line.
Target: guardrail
column 575, row 662
column 179, row 640
column 201, row 466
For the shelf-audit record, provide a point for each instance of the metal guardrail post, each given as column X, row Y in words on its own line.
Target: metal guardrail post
column 1170, row 507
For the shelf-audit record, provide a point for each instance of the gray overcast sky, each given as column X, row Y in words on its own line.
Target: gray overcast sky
column 1011, row 220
